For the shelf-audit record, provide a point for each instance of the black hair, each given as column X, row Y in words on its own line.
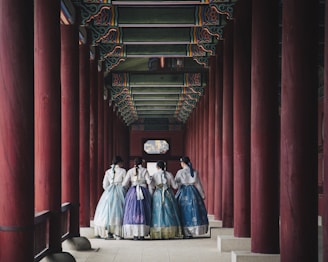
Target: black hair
column 161, row 164
column 137, row 162
column 186, row 160
column 117, row 159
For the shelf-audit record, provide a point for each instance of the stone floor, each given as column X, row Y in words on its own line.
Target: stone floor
column 190, row 250
column 202, row 249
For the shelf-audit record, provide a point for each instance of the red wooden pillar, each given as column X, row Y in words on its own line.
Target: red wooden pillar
column 120, row 133
column 197, row 136
column 191, row 135
column 204, row 159
column 241, row 118
column 84, row 159
column 100, row 137
column 115, row 128
column 70, row 121
column 190, row 129
column 126, row 140
column 117, row 134
column 325, row 146
column 17, row 131
column 107, row 161
column 194, row 136
column 93, row 132
column 211, row 139
column 218, row 85
column 186, row 137
column 299, row 120
column 227, row 129
column 47, row 115
column 110, row 135
column 118, row 146
column 191, row 152
column 199, row 164
column 265, row 129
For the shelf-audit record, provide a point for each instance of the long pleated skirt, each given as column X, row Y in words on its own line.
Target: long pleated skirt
column 109, row 212
column 137, row 213
column 165, row 222
column 192, row 211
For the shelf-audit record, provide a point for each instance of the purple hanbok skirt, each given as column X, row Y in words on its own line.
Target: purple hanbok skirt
column 137, row 213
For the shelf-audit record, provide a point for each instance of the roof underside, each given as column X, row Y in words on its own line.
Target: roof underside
column 156, row 53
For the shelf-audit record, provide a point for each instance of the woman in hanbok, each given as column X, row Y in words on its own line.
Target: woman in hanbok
column 165, row 222
column 190, row 197
column 137, row 208
column 108, row 217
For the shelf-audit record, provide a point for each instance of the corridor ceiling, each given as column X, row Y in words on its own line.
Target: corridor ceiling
column 155, row 53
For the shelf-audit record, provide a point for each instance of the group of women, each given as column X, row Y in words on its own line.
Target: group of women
column 135, row 204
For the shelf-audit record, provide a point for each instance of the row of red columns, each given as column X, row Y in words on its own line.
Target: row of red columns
column 53, row 126
column 248, row 158
column 297, row 139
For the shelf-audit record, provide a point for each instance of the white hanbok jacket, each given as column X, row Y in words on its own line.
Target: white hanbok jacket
column 183, row 177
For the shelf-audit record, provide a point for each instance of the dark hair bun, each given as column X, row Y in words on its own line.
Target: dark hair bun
column 161, row 164
column 138, row 161
column 117, row 159
column 185, row 159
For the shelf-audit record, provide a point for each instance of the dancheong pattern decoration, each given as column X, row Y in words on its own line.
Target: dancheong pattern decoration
column 102, row 18
column 156, row 54
column 190, row 92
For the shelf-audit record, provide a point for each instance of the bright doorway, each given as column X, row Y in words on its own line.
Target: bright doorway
column 151, row 167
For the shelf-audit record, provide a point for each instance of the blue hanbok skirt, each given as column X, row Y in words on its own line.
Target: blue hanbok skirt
column 137, row 213
column 192, row 211
column 165, row 222
column 108, row 217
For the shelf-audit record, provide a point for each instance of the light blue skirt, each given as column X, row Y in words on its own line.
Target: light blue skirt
column 192, row 210
column 165, row 223
column 109, row 212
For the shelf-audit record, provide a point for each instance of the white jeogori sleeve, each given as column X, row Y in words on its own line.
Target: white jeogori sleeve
column 106, row 182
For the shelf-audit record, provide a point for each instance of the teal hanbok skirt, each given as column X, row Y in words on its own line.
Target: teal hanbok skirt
column 165, row 222
column 192, row 210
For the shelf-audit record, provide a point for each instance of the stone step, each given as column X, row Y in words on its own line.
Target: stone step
column 247, row 256
column 228, row 243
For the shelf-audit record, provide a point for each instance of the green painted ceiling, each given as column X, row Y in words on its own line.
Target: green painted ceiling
column 156, row 53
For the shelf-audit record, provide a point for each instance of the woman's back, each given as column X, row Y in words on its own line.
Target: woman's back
column 163, row 177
